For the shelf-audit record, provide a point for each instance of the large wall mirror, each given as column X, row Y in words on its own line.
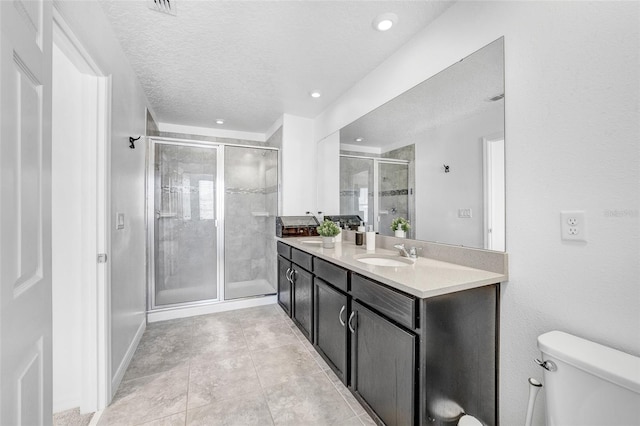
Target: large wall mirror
column 434, row 155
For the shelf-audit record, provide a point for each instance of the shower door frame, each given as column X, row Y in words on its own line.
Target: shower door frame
column 150, row 219
column 219, row 220
column 376, row 184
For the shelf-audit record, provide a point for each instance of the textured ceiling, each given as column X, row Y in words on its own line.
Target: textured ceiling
column 251, row 61
column 459, row 91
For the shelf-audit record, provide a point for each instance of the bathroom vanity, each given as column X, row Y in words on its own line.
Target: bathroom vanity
column 416, row 343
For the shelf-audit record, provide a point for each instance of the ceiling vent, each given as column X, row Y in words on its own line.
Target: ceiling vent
column 163, row 6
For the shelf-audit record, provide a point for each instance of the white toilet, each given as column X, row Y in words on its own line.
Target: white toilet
column 587, row 383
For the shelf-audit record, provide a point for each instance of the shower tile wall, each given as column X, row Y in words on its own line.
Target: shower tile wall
column 393, row 193
column 356, row 175
column 251, row 189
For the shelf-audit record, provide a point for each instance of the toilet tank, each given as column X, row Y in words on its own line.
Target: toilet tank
column 592, row 385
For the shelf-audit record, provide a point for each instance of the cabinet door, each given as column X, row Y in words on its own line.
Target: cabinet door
column 331, row 335
column 302, row 299
column 284, row 286
column 383, row 366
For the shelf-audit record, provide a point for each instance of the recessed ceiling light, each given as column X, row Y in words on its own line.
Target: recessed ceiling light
column 359, row 139
column 315, row 94
column 385, row 21
column 219, row 121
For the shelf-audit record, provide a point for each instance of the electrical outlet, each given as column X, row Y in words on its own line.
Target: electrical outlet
column 573, row 225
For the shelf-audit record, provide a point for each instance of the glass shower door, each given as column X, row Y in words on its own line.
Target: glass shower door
column 356, row 188
column 251, row 205
column 185, row 235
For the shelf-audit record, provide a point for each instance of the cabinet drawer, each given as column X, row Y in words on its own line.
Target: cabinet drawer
column 397, row 306
column 302, row 259
column 334, row 275
column 284, row 250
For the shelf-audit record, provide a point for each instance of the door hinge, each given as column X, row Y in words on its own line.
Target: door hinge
column 102, row 258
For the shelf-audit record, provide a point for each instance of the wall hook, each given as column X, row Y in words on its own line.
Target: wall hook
column 446, row 168
column 132, row 140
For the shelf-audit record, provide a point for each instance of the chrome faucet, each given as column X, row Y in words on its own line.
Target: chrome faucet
column 411, row 254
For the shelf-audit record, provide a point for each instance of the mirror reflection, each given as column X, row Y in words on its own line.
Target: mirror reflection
column 434, row 156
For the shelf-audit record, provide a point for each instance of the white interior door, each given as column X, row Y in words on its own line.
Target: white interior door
column 25, row 215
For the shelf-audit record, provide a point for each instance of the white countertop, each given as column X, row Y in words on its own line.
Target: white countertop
column 424, row 278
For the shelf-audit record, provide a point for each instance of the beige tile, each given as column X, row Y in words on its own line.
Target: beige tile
column 220, row 380
column 260, row 315
column 159, row 352
column 353, row 421
column 268, row 335
column 278, row 365
column 177, row 419
column 244, row 411
column 71, row 418
column 367, row 420
column 308, row 400
column 148, row 398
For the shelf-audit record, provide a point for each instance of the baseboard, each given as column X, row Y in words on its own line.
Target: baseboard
column 126, row 360
column 190, row 311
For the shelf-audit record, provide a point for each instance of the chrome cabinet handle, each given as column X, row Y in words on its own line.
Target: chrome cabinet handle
column 342, row 323
column 351, row 328
column 293, row 276
column 287, row 274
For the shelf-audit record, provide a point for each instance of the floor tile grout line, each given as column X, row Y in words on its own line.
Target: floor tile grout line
column 255, row 370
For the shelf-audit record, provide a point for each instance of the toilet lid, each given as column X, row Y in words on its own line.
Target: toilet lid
column 468, row 420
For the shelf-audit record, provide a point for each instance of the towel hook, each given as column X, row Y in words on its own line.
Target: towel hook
column 132, row 140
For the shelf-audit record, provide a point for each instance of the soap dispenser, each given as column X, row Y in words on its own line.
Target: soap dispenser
column 371, row 239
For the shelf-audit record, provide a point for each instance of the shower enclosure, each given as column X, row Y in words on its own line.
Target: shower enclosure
column 375, row 189
column 213, row 211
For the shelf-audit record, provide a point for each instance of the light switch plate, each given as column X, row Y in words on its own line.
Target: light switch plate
column 119, row 221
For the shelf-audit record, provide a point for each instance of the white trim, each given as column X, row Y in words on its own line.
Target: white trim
column 361, row 148
column 104, row 243
column 488, row 194
column 128, row 356
column 206, row 131
column 190, row 311
column 96, row 336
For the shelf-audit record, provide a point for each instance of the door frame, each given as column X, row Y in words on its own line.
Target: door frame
column 96, row 392
column 490, row 145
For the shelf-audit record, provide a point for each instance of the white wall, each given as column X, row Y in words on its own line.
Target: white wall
column 298, row 166
column 66, row 232
column 127, row 258
column 439, row 195
column 328, row 178
column 572, row 99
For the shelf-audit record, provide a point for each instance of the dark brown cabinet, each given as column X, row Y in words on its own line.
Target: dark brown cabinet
column 408, row 360
column 284, row 285
column 295, row 287
column 302, row 313
column 383, row 366
column 331, row 310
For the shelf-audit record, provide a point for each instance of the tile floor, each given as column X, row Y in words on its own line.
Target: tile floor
column 244, row 367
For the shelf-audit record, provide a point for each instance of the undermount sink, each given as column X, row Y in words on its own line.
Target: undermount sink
column 311, row 242
column 382, row 260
